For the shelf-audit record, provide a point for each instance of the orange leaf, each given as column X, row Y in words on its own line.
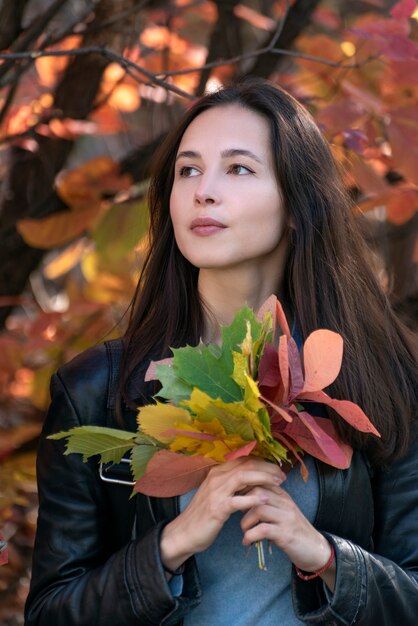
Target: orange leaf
column 89, row 183
column 351, row 412
column 125, row 98
column 56, row 230
column 281, row 319
column 401, row 206
column 169, row 474
column 322, row 356
column 50, row 68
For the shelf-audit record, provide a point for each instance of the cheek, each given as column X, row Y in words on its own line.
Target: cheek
column 268, row 218
column 174, row 209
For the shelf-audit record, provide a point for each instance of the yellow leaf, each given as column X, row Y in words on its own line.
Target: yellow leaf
column 156, row 418
column 66, row 260
column 247, row 344
column 240, row 368
column 251, row 395
column 198, row 401
column 215, row 449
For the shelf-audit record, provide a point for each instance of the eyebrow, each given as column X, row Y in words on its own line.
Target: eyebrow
column 231, row 152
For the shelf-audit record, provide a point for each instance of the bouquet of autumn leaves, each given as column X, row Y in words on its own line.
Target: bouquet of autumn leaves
column 248, row 396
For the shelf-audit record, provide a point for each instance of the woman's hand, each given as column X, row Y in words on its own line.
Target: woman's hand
column 279, row 520
column 238, row 485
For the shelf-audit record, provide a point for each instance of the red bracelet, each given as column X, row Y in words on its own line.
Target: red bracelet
column 320, row 571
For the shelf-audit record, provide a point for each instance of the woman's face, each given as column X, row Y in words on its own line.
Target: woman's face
column 225, row 203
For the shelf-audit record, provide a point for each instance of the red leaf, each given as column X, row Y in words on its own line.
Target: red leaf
column 288, row 444
column 151, row 373
column 322, row 356
column 295, row 368
column 403, row 9
column 268, row 368
column 340, row 115
column 355, row 139
column 284, row 366
column 352, row 413
column 172, row 432
column 169, row 474
column 279, row 410
column 403, row 136
column 269, row 306
column 4, row 554
column 244, row 451
column 318, row 437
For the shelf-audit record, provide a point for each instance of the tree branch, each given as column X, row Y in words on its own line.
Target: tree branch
column 11, row 14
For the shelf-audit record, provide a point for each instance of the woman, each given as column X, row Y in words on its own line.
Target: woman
column 245, row 201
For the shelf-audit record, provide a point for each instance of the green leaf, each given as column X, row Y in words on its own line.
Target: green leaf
column 234, row 335
column 140, row 456
column 234, row 416
column 173, row 387
column 111, row 444
column 200, row 368
column 130, row 221
column 209, row 368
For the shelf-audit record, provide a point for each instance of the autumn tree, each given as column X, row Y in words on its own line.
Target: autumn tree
column 87, row 90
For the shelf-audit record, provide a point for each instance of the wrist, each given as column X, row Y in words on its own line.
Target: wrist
column 322, row 570
column 173, row 549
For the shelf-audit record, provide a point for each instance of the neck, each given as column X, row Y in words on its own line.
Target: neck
column 224, row 291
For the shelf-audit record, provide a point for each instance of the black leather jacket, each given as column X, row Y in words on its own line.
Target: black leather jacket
column 88, row 570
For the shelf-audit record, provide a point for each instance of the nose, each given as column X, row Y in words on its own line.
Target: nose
column 204, row 198
column 205, row 193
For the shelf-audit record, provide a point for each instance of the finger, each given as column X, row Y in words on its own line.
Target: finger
column 246, row 502
column 241, row 479
column 261, row 512
column 250, row 463
column 264, row 530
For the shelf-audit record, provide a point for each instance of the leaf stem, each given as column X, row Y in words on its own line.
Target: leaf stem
column 261, row 558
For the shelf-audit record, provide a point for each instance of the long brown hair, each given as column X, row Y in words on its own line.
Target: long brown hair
column 329, row 282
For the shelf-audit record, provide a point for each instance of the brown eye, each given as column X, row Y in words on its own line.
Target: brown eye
column 239, row 170
column 187, row 171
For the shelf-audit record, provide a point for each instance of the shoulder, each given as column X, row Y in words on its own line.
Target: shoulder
column 88, row 370
column 88, row 381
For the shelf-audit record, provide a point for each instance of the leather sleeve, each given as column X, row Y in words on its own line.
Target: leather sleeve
column 379, row 588
column 76, row 580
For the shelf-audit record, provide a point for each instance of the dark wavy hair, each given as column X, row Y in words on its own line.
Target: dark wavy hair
column 329, row 281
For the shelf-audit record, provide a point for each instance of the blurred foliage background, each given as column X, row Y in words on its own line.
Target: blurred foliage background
column 77, row 134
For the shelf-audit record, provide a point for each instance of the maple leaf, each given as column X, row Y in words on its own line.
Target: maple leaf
column 110, row 443
column 154, row 419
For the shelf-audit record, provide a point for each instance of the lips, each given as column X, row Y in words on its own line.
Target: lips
column 206, row 226
column 200, row 222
